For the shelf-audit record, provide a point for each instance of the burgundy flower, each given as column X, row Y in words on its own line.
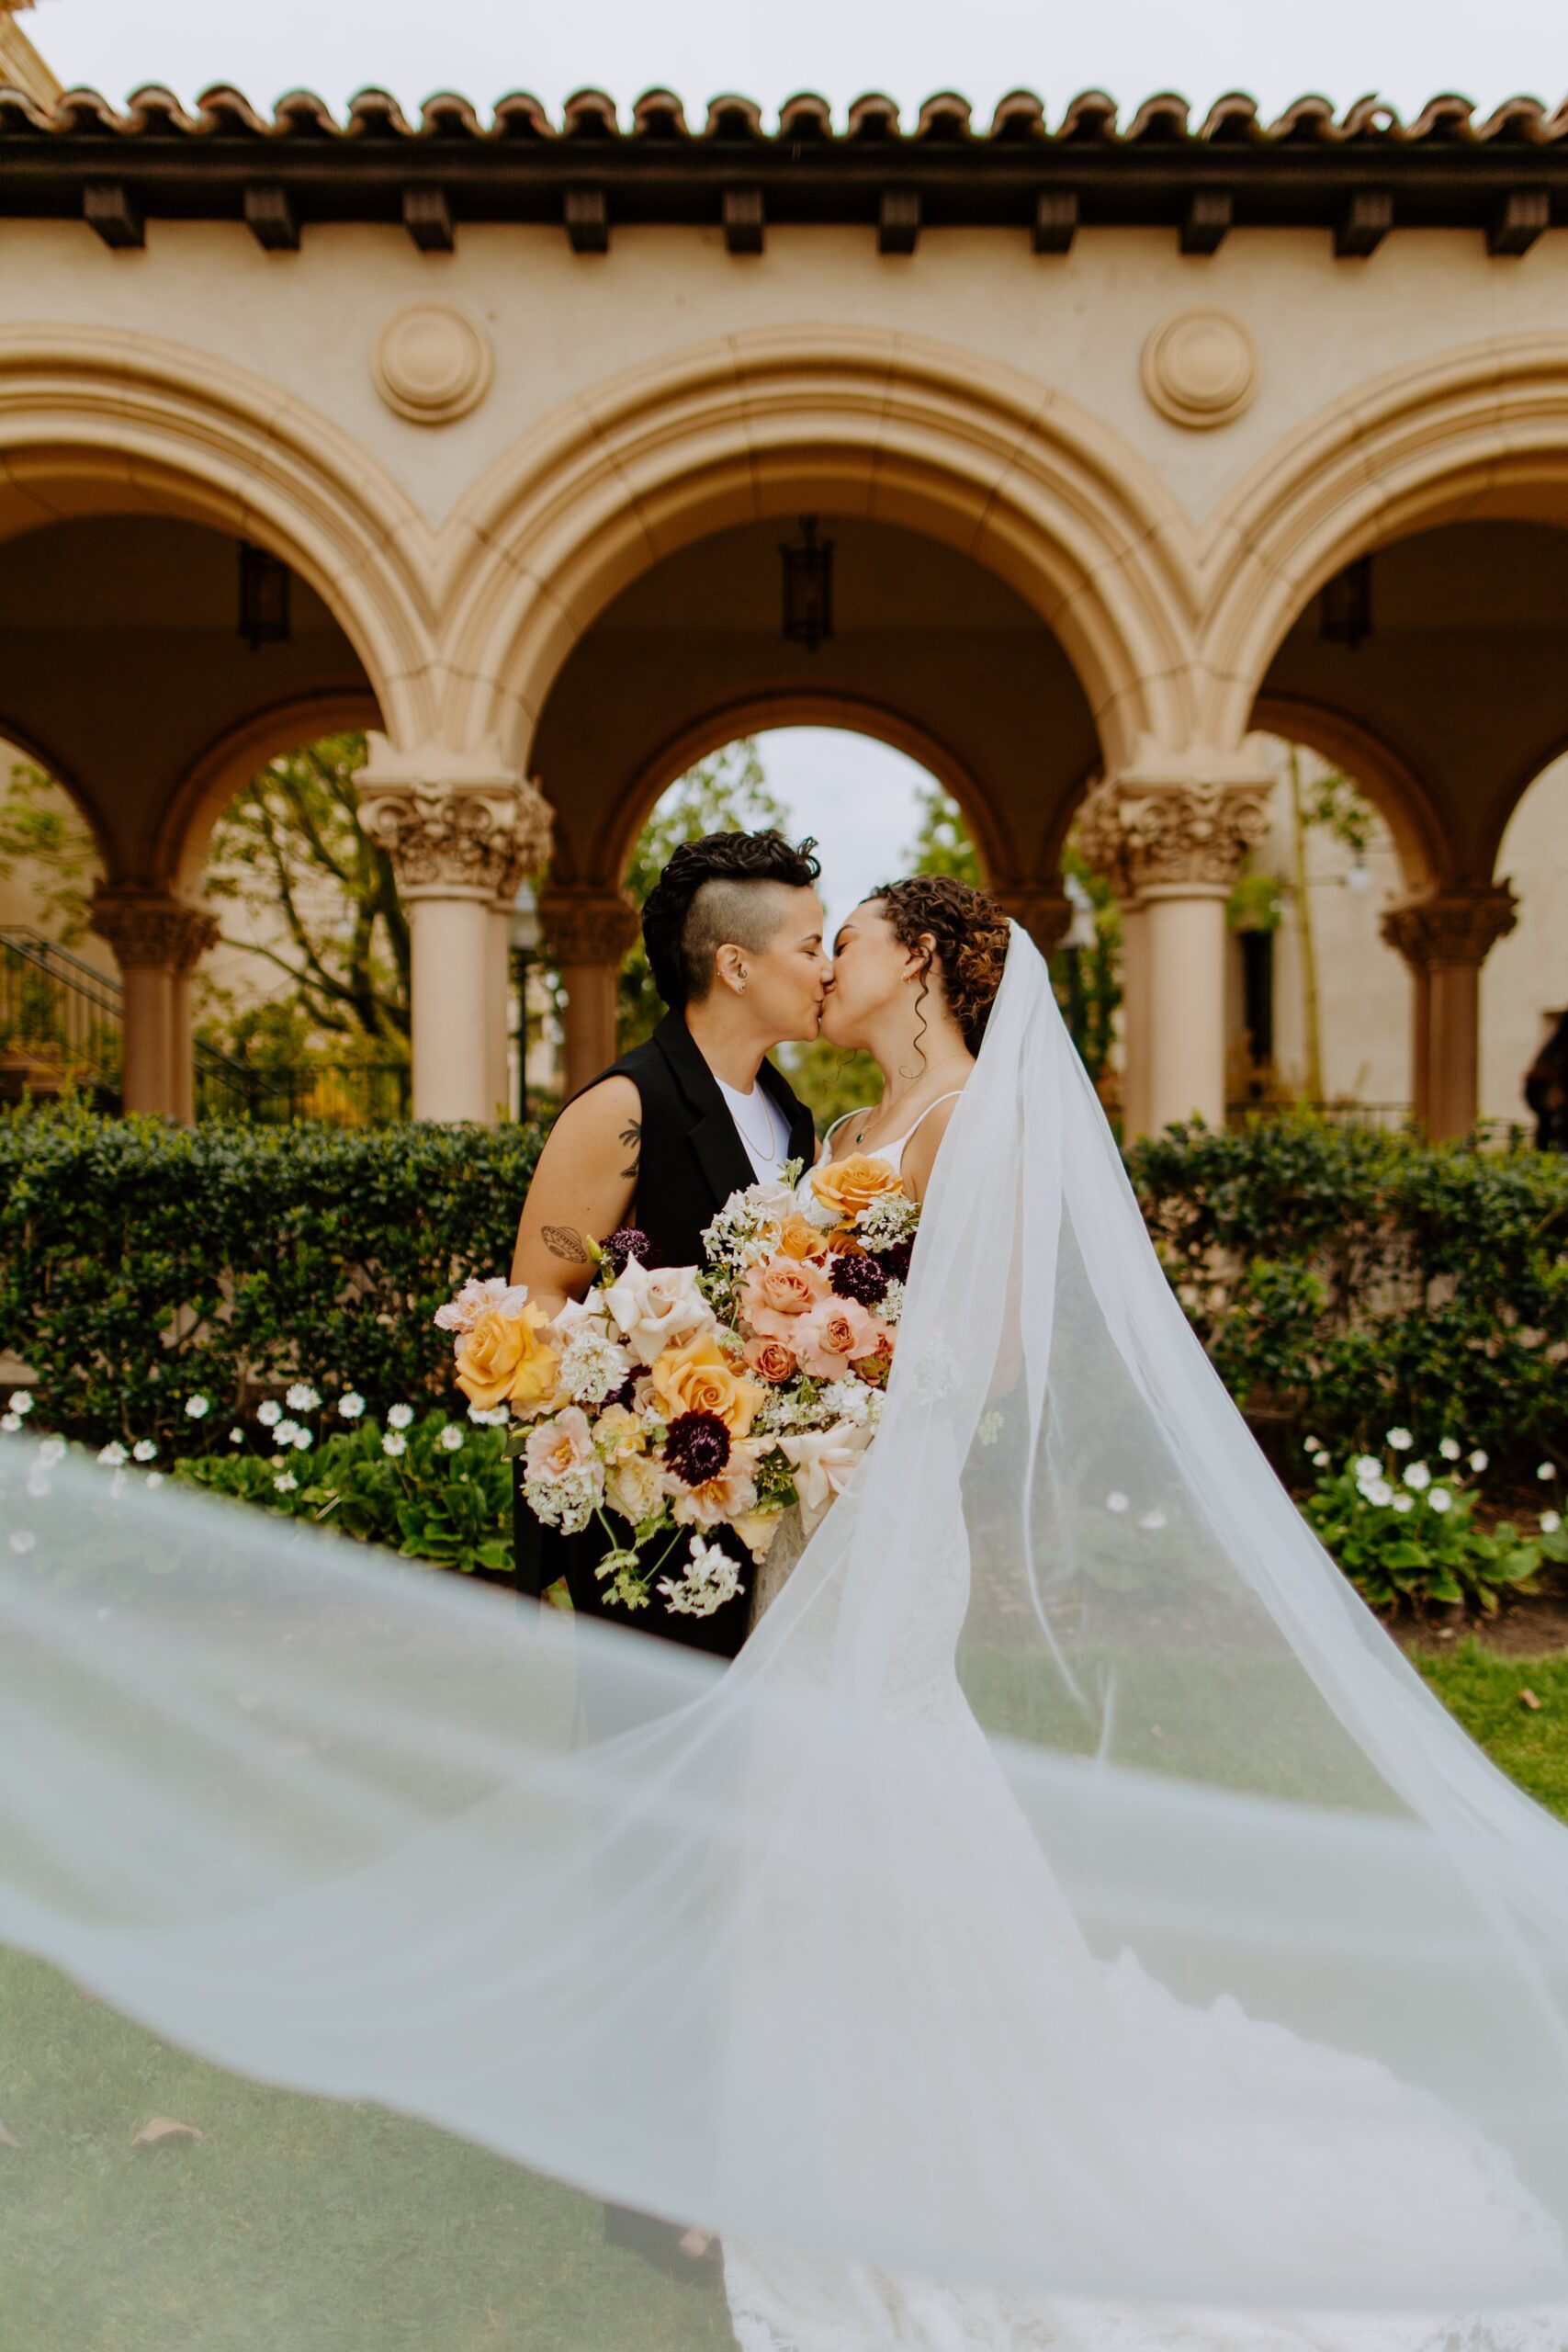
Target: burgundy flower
column 696, row 1447
column 627, row 1242
column 895, row 1262
column 858, row 1277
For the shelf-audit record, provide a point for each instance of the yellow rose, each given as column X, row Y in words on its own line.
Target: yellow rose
column 696, row 1378
column 847, row 1186
column 798, row 1237
column 503, row 1357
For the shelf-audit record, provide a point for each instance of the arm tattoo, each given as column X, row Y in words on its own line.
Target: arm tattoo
column 564, row 1241
column 631, row 1138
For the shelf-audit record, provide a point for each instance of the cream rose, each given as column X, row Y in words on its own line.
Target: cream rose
column 697, row 1377
column 823, row 1461
column 656, row 1310
column 635, row 1485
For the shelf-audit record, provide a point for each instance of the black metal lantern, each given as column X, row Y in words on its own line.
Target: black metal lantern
column 1345, row 605
column 264, row 596
column 808, row 586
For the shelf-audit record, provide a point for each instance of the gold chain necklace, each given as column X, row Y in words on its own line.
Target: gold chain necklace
column 767, row 1151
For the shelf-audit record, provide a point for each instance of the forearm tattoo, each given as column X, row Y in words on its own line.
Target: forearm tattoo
column 565, row 1242
column 631, row 1137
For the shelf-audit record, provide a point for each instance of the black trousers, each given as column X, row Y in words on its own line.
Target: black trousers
column 543, row 1556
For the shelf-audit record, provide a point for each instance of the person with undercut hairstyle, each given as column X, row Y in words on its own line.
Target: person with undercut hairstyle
column 658, row 1142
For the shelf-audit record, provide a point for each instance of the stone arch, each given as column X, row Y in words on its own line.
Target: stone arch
column 1475, row 434
column 849, row 422
column 856, row 714
column 1392, row 785
column 211, row 782
column 98, row 421
column 60, row 771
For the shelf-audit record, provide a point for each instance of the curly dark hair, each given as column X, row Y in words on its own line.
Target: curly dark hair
column 970, row 935
column 699, row 902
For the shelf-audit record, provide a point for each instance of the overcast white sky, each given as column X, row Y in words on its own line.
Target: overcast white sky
column 1404, row 49
column 855, row 795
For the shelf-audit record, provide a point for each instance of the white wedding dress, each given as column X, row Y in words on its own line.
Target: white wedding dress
column 1310, row 2131
column 1070, row 1925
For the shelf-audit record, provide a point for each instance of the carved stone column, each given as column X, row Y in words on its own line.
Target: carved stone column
column 1042, row 910
column 589, row 931
column 1445, row 939
column 461, row 832
column 158, row 940
column 1171, row 837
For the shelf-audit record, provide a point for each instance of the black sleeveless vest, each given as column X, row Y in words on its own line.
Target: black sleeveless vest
column 691, row 1159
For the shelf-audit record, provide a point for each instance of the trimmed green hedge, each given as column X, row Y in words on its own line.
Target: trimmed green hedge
column 1344, row 1280
column 142, row 1262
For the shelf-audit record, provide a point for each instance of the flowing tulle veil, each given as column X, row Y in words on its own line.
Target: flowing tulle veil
column 1071, row 1898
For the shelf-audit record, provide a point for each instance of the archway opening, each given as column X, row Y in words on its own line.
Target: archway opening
column 1524, row 994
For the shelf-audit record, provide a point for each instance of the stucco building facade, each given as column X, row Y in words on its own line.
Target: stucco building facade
column 1094, row 413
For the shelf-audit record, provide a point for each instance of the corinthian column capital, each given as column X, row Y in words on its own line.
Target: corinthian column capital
column 151, row 928
column 1456, row 927
column 454, row 824
column 1183, row 825
column 589, row 926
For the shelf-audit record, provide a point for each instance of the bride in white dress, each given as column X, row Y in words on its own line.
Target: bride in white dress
column 1069, row 1925
column 1314, row 2132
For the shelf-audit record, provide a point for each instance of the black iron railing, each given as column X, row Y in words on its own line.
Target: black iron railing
column 61, row 1026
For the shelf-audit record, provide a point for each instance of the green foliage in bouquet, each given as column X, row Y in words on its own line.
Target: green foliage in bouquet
column 1341, row 1279
column 141, row 1263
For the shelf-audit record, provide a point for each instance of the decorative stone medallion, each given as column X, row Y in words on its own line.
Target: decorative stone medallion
column 432, row 363
column 1200, row 368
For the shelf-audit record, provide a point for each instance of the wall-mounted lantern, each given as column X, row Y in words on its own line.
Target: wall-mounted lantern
column 264, row 596
column 808, row 586
column 1345, row 605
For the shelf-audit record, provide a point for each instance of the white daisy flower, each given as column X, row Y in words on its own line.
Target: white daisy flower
column 1546, row 1469
column 22, row 1539
column 398, row 1416
column 1401, row 1439
column 1417, row 1475
column 10, row 1422
column 1366, row 1465
column 393, row 1443
column 1479, row 1459
column 1551, row 1521
column 1403, row 1503
column 302, row 1439
column 1449, row 1447
column 1439, row 1500
column 143, row 1450
column 21, row 1401
column 1116, row 1502
column 270, row 1413
column 113, row 1454
column 450, row 1439
column 198, row 1407
column 285, row 1483
column 302, row 1397
column 285, row 1432
column 1378, row 1492
column 236, row 1436
column 351, row 1405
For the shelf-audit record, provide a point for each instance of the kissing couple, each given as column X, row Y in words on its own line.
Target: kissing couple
column 736, row 945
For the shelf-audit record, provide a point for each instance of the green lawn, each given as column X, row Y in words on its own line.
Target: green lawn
column 300, row 2226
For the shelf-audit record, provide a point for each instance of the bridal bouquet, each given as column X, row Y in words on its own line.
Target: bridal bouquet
column 687, row 1398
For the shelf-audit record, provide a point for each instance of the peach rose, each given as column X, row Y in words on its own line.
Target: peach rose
column 771, row 1359
column 830, row 1339
column 697, row 1377
column 847, row 1186
column 732, row 1495
column 779, row 1288
column 798, row 1237
column 503, row 1357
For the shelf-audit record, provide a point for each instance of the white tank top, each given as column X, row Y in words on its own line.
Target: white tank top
column 760, row 1125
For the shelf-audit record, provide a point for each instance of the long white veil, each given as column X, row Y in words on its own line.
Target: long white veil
column 1070, row 1898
